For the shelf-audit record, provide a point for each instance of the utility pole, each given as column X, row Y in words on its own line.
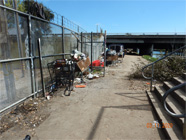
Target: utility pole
column 97, row 27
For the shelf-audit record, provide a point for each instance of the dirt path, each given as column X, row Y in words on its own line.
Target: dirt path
column 106, row 109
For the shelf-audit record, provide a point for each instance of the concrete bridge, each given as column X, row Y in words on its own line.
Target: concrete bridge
column 147, row 43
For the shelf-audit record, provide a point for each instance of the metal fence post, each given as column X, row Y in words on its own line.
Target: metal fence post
column 31, row 55
column 77, row 39
column 85, row 43
column 63, row 43
column 81, row 42
column 152, row 77
column 77, row 44
column 91, row 48
column 41, row 67
column 184, row 125
column 105, row 45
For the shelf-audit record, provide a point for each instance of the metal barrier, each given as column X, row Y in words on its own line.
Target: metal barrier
column 167, row 93
column 22, row 58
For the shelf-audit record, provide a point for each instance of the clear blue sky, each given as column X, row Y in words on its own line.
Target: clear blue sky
column 122, row 16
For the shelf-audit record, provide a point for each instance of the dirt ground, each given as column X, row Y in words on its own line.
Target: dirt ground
column 112, row 107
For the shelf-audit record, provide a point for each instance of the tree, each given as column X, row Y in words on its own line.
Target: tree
column 30, row 7
column 10, row 3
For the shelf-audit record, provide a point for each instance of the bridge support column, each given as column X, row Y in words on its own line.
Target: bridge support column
column 152, row 49
column 138, row 51
column 172, row 47
column 135, row 50
column 147, row 50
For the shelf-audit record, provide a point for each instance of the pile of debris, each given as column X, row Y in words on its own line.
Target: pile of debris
column 28, row 115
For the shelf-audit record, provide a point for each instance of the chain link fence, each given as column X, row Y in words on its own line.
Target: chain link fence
column 20, row 68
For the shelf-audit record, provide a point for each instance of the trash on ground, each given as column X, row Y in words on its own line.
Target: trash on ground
column 90, row 76
column 77, row 80
column 80, row 86
column 95, row 76
column 27, row 137
column 156, row 124
column 48, row 97
column 28, row 115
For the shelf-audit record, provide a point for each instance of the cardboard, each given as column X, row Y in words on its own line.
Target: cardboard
column 83, row 64
column 112, row 58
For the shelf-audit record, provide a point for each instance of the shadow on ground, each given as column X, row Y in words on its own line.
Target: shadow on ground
column 144, row 107
column 132, row 97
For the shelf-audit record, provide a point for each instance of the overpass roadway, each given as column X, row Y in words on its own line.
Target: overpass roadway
column 147, row 43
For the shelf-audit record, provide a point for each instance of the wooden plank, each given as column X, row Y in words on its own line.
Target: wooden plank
column 112, row 58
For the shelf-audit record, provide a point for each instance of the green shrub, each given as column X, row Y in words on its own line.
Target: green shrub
column 149, row 58
column 163, row 70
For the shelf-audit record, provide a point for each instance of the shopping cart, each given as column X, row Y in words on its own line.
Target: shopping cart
column 62, row 75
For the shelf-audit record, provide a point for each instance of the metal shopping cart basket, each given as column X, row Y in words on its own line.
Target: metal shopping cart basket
column 62, row 75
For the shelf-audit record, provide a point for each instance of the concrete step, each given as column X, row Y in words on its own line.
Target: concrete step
column 184, row 76
column 179, row 80
column 172, row 105
column 178, row 95
column 164, row 118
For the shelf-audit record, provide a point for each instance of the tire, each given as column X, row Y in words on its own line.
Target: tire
column 72, row 88
column 68, row 93
column 66, row 90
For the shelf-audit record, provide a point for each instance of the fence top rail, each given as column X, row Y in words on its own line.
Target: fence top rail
column 52, row 55
column 15, row 59
column 34, row 57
